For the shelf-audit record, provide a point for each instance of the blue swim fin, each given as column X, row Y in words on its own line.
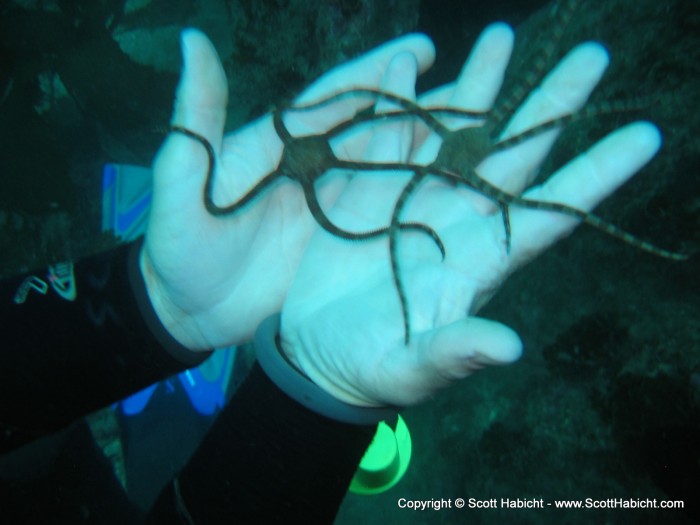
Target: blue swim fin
column 126, row 199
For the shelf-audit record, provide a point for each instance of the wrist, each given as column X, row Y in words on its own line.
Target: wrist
column 174, row 320
column 299, row 387
column 152, row 320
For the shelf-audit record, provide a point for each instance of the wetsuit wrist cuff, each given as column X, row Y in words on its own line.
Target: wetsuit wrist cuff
column 302, row 389
column 183, row 354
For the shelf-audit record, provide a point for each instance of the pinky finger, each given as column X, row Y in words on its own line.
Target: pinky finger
column 581, row 184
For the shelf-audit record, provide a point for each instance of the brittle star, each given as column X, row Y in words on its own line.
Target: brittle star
column 304, row 159
column 464, row 149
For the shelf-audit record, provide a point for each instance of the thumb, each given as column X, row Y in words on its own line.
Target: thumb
column 461, row 348
column 202, row 94
column 200, row 106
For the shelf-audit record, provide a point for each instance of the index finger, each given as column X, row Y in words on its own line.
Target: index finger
column 581, row 184
column 365, row 71
column 372, row 64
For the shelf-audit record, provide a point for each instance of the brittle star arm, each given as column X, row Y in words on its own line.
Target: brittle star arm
column 310, row 195
column 307, row 158
column 503, row 200
column 209, row 184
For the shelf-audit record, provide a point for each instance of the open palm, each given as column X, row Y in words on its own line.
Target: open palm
column 342, row 321
column 213, row 279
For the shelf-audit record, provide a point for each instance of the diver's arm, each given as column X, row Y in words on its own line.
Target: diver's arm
column 266, row 458
column 282, row 446
column 62, row 359
column 266, row 455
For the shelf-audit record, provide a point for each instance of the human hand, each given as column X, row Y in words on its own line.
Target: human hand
column 342, row 320
column 212, row 280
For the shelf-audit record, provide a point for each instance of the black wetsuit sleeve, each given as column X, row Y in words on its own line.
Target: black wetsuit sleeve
column 267, row 459
column 61, row 359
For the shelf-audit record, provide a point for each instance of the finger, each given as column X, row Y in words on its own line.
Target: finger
column 582, row 184
column 373, row 64
column 478, row 84
column 441, row 356
column 459, row 349
column 200, row 106
column 482, row 76
column 391, row 142
column 438, row 96
column 366, row 71
column 202, row 94
column 476, row 89
column 372, row 193
column 564, row 91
